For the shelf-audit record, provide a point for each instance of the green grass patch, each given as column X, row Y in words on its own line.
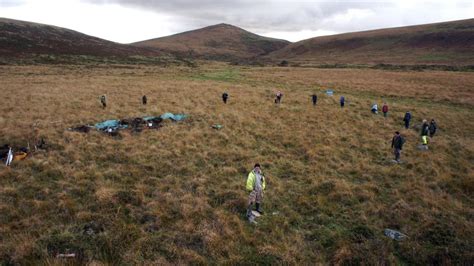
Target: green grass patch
column 226, row 75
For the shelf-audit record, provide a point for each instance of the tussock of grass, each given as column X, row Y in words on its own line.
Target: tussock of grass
column 176, row 195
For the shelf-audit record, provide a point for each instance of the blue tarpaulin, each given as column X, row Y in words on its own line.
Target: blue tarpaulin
column 174, row 117
column 148, row 118
column 113, row 124
column 330, row 92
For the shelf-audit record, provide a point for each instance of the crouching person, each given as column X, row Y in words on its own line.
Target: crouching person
column 256, row 186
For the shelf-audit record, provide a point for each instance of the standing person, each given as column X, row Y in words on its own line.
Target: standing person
column 407, row 119
column 425, row 129
column 144, row 99
column 314, row 98
column 225, row 96
column 342, row 100
column 279, row 95
column 385, row 109
column 103, row 101
column 397, row 145
column 375, row 109
column 255, row 185
column 433, row 127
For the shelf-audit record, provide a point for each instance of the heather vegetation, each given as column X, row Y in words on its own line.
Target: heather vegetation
column 176, row 195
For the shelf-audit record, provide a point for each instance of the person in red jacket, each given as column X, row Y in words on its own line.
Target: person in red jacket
column 385, row 109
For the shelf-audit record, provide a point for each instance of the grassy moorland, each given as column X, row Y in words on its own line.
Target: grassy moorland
column 176, row 195
column 447, row 43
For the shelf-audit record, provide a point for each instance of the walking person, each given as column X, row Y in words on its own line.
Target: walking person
column 342, row 101
column 144, row 100
column 225, row 96
column 314, row 98
column 103, row 101
column 425, row 129
column 385, row 109
column 407, row 119
column 279, row 95
column 397, row 145
column 433, row 127
column 255, row 185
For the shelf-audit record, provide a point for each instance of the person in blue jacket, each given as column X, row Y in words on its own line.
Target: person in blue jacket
column 342, row 100
column 407, row 119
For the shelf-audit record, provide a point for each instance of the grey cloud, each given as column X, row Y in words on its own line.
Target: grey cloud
column 253, row 15
column 263, row 16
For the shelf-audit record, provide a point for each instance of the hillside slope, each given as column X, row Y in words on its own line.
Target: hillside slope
column 220, row 41
column 21, row 38
column 450, row 43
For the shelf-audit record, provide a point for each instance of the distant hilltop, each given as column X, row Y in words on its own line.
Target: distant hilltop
column 448, row 43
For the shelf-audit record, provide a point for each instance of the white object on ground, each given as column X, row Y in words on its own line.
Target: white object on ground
column 9, row 157
column 393, row 234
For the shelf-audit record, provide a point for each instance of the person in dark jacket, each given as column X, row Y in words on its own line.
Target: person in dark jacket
column 425, row 129
column 433, row 127
column 407, row 119
column 385, row 109
column 103, row 101
column 279, row 95
column 225, row 96
column 397, row 145
column 342, row 101
column 314, row 98
column 144, row 100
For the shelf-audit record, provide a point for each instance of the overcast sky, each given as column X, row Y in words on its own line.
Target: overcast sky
column 128, row 21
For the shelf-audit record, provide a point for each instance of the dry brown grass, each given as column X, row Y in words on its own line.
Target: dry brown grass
column 176, row 195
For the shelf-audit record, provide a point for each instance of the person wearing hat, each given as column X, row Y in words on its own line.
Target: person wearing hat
column 397, row 145
column 255, row 185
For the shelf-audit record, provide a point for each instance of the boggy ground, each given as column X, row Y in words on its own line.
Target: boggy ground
column 176, row 195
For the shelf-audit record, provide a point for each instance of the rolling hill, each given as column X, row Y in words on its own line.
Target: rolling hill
column 21, row 38
column 221, row 42
column 449, row 43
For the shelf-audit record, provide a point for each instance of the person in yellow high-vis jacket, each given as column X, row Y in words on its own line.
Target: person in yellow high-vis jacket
column 255, row 185
column 425, row 129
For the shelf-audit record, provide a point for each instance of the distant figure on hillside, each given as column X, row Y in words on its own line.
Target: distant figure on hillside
column 375, row 109
column 385, row 109
column 433, row 127
column 397, row 145
column 144, row 100
column 407, row 119
column 279, row 95
column 255, row 185
column 225, row 96
column 425, row 129
column 314, row 98
column 103, row 101
column 342, row 100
